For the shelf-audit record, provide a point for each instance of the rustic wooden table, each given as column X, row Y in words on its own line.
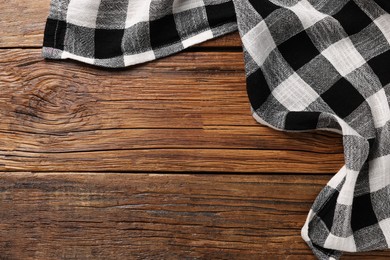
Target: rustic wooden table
column 157, row 161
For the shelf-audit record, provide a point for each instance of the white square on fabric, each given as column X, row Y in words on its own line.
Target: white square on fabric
column 294, row 93
column 383, row 23
column 307, row 13
column 337, row 178
column 184, row 5
column 68, row 55
column 347, row 191
column 379, row 108
column 198, row 38
column 137, row 11
column 385, row 227
column 344, row 56
column 379, row 173
column 138, row 58
column 83, row 12
column 347, row 243
column 259, row 42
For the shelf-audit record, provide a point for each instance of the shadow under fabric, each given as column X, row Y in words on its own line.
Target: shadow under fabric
column 310, row 64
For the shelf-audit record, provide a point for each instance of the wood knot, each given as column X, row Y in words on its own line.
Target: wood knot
column 55, row 107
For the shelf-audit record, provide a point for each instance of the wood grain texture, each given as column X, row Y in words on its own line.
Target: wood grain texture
column 27, row 29
column 185, row 113
column 151, row 216
column 22, row 22
column 229, row 40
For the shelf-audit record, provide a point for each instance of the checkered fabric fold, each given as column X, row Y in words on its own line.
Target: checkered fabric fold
column 310, row 64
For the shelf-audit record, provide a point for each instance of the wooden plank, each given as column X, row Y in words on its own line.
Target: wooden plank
column 150, row 216
column 27, row 30
column 188, row 112
column 229, row 40
column 22, row 22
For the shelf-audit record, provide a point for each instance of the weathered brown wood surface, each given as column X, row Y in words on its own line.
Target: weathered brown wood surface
column 155, row 216
column 157, row 161
column 188, row 112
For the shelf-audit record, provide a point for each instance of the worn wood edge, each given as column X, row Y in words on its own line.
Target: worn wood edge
column 148, row 216
column 27, row 30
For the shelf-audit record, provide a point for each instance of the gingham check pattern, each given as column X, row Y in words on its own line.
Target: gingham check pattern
column 310, row 64
column 125, row 32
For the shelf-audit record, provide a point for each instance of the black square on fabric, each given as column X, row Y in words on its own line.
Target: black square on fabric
column 301, row 120
column 385, row 4
column 363, row 214
column 352, row 18
column 163, row 32
column 264, row 7
column 298, row 50
column 108, row 43
column 55, row 31
column 381, row 66
column 343, row 98
column 326, row 213
column 220, row 14
column 257, row 89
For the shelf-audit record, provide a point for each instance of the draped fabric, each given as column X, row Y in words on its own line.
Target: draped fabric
column 310, row 64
